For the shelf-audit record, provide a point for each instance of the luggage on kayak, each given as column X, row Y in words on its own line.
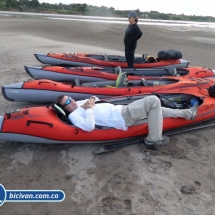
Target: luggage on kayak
column 169, row 54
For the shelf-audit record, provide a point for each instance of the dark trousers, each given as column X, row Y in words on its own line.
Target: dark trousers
column 129, row 54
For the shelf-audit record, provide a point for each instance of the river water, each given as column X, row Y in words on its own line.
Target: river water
column 113, row 20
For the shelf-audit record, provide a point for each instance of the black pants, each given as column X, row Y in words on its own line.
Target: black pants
column 129, row 54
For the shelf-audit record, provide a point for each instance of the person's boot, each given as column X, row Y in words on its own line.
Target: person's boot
column 163, row 141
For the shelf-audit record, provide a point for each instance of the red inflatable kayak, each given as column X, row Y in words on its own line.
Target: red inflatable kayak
column 46, row 90
column 84, row 59
column 44, row 125
column 93, row 74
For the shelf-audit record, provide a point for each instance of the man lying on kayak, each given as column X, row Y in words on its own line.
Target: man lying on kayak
column 85, row 114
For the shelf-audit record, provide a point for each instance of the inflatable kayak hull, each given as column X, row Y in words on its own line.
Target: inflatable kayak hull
column 41, row 91
column 93, row 74
column 88, row 60
column 44, row 125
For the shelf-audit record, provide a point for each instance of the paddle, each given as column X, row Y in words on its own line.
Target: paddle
column 112, row 147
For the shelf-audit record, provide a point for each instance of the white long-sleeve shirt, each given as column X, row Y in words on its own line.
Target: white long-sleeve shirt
column 103, row 114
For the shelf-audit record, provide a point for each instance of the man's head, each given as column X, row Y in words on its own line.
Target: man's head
column 132, row 17
column 132, row 14
column 66, row 103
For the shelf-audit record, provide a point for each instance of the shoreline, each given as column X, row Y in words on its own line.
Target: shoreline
column 95, row 17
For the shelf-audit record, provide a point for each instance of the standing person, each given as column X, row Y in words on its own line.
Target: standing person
column 85, row 114
column 132, row 34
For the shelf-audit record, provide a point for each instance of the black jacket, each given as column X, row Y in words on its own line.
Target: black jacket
column 132, row 34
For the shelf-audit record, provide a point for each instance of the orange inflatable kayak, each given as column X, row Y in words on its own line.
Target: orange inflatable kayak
column 45, row 125
column 86, row 60
column 93, row 74
column 46, row 91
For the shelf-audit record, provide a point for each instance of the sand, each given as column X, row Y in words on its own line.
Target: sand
column 177, row 179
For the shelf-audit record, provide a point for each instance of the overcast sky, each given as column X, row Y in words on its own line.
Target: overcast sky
column 188, row 7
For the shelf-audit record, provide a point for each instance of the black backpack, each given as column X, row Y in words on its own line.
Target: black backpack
column 169, row 54
column 211, row 91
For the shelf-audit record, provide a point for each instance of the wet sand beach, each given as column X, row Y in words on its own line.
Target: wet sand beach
column 177, row 179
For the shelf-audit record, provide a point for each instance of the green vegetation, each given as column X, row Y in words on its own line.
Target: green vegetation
column 90, row 10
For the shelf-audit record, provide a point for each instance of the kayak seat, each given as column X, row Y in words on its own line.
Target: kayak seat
column 106, row 57
column 117, row 69
column 77, row 82
column 58, row 109
column 121, row 80
column 61, row 113
column 172, row 71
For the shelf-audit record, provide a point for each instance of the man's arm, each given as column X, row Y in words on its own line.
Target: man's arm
column 81, row 102
column 86, row 124
column 138, row 33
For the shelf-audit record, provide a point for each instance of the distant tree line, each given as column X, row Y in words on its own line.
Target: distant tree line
column 90, row 10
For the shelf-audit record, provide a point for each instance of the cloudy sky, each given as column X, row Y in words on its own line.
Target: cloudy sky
column 188, row 7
